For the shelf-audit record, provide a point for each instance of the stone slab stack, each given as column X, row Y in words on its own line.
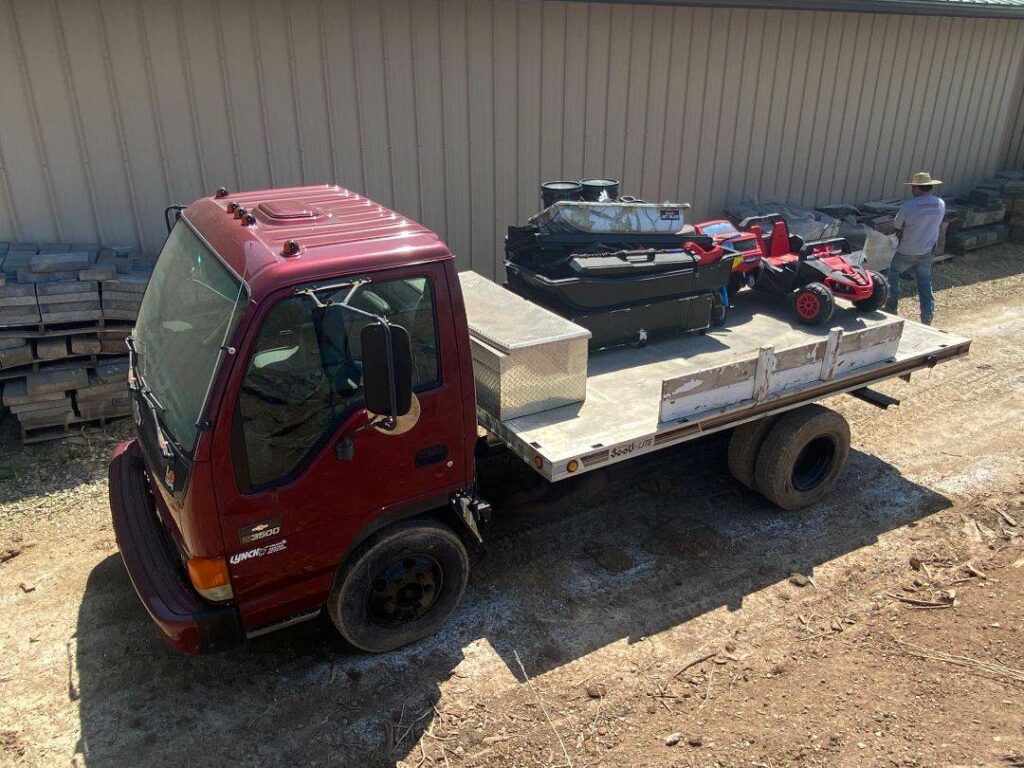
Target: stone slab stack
column 1013, row 195
column 987, row 213
column 65, row 311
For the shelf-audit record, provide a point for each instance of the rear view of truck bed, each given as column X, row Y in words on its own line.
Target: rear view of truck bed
column 640, row 399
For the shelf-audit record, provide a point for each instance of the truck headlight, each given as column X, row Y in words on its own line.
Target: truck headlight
column 209, row 575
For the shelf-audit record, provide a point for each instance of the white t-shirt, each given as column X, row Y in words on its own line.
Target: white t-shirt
column 920, row 218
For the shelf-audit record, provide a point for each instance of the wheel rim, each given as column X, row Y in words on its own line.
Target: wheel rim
column 405, row 590
column 813, row 464
column 807, row 305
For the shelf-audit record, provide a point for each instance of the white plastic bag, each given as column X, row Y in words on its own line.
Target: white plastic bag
column 879, row 250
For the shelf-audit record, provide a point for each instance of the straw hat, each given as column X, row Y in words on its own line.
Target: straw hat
column 922, row 179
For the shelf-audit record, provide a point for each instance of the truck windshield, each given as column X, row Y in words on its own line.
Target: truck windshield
column 191, row 307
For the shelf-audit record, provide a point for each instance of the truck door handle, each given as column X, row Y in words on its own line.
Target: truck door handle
column 431, row 455
column 345, row 449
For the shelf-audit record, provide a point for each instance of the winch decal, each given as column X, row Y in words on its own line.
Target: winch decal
column 264, row 529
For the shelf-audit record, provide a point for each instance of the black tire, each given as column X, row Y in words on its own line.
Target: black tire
column 744, row 445
column 361, row 610
column 802, row 455
column 879, row 294
column 813, row 304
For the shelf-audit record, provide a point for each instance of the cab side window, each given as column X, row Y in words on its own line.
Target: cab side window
column 305, row 374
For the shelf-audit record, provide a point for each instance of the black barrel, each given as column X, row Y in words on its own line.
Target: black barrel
column 553, row 191
column 592, row 189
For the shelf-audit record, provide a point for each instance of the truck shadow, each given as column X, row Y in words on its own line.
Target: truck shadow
column 623, row 553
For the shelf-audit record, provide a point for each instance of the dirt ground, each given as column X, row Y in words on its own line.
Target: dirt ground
column 653, row 614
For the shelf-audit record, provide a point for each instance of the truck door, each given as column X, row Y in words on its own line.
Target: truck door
column 305, row 477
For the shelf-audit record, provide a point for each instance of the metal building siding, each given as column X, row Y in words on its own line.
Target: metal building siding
column 455, row 110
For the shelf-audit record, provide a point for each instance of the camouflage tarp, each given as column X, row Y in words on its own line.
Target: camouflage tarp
column 645, row 218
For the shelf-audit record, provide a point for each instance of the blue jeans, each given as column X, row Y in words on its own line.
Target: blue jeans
column 922, row 267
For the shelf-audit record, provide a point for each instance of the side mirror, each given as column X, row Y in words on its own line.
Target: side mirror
column 387, row 369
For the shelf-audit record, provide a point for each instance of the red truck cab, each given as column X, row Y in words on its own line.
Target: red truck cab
column 265, row 483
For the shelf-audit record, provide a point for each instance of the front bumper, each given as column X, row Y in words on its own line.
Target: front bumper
column 188, row 622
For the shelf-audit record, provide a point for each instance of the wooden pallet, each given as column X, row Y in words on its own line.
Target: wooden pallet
column 72, row 427
column 42, row 330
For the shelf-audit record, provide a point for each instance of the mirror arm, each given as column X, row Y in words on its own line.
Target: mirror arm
column 391, row 419
column 353, row 285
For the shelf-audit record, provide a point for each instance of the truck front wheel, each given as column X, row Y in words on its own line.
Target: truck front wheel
column 803, row 454
column 399, row 586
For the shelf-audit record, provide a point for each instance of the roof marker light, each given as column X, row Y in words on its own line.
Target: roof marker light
column 240, row 212
column 221, row 192
column 232, row 206
column 291, row 248
column 248, row 220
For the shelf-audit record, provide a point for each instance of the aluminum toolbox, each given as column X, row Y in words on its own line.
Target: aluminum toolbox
column 525, row 358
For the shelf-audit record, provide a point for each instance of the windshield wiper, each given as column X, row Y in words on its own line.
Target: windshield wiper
column 163, row 438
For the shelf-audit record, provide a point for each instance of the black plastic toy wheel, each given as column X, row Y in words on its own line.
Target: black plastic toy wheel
column 813, row 304
column 879, row 293
column 400, row 586
column 719, row 310
column 737, row 281
column 802, row 455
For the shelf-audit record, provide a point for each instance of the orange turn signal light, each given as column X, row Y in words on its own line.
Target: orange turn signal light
column 209, row 575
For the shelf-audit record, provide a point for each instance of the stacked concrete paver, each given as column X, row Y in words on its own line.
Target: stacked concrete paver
column 65, row 310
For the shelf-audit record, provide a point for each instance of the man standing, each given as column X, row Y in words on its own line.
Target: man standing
column 917, row 222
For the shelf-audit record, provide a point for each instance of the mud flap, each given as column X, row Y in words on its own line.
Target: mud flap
column 470, row 510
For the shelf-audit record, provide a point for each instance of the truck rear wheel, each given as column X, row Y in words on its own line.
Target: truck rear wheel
column 744, row 445
column 399, row 586
column 802, row 456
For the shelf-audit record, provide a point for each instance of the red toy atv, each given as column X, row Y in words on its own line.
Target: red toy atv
column 813, row 274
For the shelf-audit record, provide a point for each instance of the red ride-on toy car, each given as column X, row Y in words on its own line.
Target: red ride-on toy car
column 813, row 274
column 745, row 247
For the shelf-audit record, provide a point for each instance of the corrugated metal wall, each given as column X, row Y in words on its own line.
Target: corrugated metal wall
column 453, row 111
column 1013, row 151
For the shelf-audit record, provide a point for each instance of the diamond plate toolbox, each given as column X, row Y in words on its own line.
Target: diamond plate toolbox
column 525, row 358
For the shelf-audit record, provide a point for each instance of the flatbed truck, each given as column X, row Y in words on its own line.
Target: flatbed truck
column 313, row 382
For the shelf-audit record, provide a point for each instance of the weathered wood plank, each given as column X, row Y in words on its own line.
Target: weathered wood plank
column 769, row 373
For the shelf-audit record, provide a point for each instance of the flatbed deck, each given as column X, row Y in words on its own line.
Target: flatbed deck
column 629, row 403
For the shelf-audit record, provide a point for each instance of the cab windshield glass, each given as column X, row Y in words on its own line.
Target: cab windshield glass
column 191, row 306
